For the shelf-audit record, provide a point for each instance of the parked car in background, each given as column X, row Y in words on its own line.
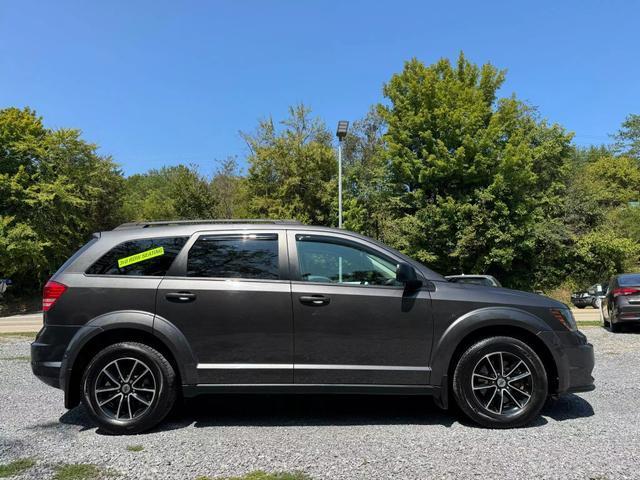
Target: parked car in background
column 581, row 299
column 4, row 284
column 485, row 280
column 621, row 304
column 597, row 291
column 149, row 312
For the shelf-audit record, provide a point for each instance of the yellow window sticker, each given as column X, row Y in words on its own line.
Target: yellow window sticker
column 139, row 257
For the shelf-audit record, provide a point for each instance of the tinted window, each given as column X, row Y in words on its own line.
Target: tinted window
column 147, row 257
column 629, row 280
column 327, row 260
column 235, row 256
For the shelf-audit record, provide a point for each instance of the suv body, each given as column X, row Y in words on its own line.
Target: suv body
column 285, row 308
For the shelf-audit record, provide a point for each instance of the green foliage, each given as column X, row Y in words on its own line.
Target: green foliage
column 292, row 171
column 473, row 176
column 16, row 467
column 628, row 137
column 54, row 190
column 170, row 193
column 366, row 182
column 602, row 253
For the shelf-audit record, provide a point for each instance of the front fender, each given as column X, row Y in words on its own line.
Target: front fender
column 468, row 323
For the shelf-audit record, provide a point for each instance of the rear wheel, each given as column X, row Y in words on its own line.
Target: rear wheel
column 614, row 327
column 129, row 388
column 500, row 382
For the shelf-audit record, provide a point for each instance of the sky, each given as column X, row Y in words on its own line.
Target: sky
column 159, row 82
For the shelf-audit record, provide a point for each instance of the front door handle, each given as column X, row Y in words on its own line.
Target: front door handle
column 180, row 297
column 314, row 300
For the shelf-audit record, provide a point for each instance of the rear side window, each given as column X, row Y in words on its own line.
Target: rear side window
column 235, row 256
column 144, row 257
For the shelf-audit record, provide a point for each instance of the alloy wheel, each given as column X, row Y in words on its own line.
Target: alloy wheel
column 125, row 389
column 502, row 383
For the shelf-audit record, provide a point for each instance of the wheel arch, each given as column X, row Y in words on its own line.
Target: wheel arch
column 118, row 327
column 484, row 323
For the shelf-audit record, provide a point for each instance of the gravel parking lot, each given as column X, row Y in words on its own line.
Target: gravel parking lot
column 595, row 435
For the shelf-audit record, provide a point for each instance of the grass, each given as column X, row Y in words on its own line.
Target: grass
column 16, row 467
column 19, row 358
column 76, row 471
column 18, row 335
column 589, row 323
column 261, row 475
column 135, row 448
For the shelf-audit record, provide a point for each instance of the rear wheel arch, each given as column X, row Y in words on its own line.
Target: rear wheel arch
column 100, row 338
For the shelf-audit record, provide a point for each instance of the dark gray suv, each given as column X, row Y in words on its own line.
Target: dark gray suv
column 149, row 311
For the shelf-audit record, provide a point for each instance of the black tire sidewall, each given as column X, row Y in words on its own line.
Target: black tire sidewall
column 165, row 382
column 466, row 399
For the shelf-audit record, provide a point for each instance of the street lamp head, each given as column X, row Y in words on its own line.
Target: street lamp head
column 343, row 126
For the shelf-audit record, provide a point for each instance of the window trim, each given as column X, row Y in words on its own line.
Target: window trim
column 342, row 239
column 115, row 245
column 179, row 268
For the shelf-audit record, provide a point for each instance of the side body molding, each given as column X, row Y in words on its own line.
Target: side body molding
column 468, row 323
column 164, row 331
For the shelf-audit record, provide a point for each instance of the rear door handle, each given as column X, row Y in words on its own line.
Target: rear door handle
column 180, row 297
column 314, row 300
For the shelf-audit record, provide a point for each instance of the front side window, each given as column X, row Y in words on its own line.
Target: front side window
column 235, row 256
column 328, row 260
column 142, row 257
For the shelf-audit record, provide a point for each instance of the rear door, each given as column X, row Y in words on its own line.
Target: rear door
column 353, row 322
column 229, row 294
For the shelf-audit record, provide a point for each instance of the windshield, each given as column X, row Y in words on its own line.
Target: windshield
column 473, row 281
column 629, row 280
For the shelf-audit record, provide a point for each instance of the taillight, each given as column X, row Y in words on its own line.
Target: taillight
column 624, row 291
column 51, row 293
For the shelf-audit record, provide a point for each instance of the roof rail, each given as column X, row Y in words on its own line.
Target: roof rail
column 164, row 223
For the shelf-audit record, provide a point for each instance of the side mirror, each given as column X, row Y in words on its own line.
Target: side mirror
column 406, row 274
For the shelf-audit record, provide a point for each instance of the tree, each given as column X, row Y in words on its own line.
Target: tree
column 229, row 190
column 473, row 175
column 627, row 140
column 171, row 193
column 366, row 184
column 292, row 170
column 54, row 191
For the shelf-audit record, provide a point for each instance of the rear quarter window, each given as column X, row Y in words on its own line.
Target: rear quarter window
column 148, row 257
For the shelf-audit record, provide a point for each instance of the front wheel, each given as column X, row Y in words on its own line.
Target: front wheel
column 500, row 382
column 128, row 388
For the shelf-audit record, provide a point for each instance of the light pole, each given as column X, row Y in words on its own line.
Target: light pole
column 341, row 132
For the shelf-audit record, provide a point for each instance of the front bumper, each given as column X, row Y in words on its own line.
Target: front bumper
column 574, row 360
column 47, row 352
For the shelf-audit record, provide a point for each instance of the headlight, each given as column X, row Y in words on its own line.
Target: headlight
column 565, row 317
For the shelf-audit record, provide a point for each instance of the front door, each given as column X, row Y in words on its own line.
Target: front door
column 229, row 294
column 353, row 322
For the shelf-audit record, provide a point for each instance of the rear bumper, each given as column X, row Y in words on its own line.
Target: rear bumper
column 47, row 352
column 574, row 360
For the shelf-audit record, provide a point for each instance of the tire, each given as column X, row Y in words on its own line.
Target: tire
column 499, row 402
column 141, row 381
column 614, row 327
column 605, row 323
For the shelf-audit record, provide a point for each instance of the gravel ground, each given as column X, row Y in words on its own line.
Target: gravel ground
column 594, row 435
